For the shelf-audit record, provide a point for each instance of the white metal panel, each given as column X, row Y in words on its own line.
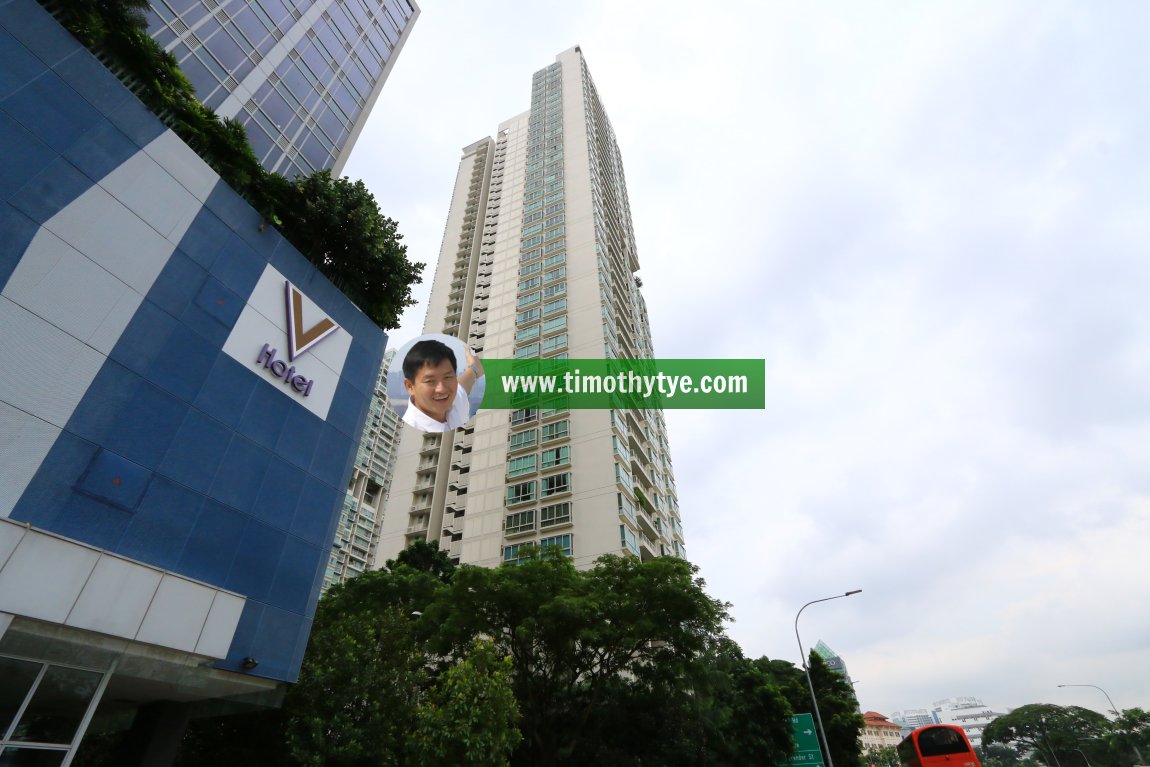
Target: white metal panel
column 176, row 616
column 24, row 442
column 220, row 626
column 44, row 576
column 116, row 597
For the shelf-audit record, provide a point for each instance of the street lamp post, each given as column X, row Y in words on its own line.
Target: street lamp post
column 1113, row 708
column 807, row 671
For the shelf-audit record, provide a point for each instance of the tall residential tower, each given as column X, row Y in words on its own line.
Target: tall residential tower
column 539, row 260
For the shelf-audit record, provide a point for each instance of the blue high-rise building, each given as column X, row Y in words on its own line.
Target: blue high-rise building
column 301, row 75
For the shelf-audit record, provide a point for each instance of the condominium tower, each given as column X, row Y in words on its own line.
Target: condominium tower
column 300, row 75
column 539, row 260
column 357, row 534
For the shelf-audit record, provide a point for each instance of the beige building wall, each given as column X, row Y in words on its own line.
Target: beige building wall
column 538, row 260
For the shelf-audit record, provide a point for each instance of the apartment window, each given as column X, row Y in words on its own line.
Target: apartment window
column 527, row 316
column 556, row 323
column 558, row 219
column 562, row 541
column 529, row 284
column 556, row 430
column 626, row 508
column 525, row 271
column 555, row 290
column 555, row 484
column 525, row 352
column 555, row 274
column 555, row 342
column 527, row 334
column 524, row 464
column 555, row 514
column 555, row 306
column 525, row 415
column 628, row 540
column 530, row 254
column 558, row 258
column 622, row 476
column 527, row 300
column 522, row 439
column 551, row 247
column 557, row 456
column 517, row 552
column 521, row 492
column 519, row 522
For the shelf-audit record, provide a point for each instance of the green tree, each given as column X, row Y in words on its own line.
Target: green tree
column 1129, row 737
column 882, row 756
column 337, row 225
column 1059, row 736
column 838, row 706
column 579, row 640
column 366, row 669
column 469, row 716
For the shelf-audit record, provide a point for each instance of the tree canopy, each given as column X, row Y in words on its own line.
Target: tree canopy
column 1059, row 736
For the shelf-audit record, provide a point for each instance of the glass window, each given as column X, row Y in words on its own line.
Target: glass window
column 57, row 706
column 557, row 456
column 523, row 439
column 519, row 522
column 555, row 484
column 522, row 416
column 527, row 300
column 521, row 492
column 555, row 306
column 555, row 430
column 556, row 323
column 18, row 676
column 555, row 290
column 527, row 316
column 529, row 284
column 555, row 514
column 555, row 342
column 524, row 464
column 525, row 352
column 562, row 541
column 527, row 333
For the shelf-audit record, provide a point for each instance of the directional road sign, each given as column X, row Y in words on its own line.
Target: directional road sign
column 807, row 751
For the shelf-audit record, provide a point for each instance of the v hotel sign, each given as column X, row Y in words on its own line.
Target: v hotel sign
column 291, row 341
column 299, row 341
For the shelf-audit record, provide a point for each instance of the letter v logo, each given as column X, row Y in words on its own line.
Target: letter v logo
column 300, row 340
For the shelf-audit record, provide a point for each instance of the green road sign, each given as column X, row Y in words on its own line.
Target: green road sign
column 807, row 751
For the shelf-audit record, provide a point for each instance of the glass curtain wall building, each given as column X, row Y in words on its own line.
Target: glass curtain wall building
column 301, row 75
column 539, row 260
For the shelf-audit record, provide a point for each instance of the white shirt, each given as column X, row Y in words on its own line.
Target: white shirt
column 456, row 417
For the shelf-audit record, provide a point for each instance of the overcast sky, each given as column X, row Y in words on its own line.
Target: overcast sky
column 931, row 221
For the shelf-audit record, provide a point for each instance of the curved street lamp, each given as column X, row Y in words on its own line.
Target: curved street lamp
column 807, row 671
column 1113, row 708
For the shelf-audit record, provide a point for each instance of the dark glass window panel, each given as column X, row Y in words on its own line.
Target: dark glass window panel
column 294, row 79
column 330, row 122
column 31, row 757
column 208, row 29
column 199, row 76
column 277, row 109
column 251, row 25
column 258, row 138
column 57, row 705
column 227, row 51
column 16, row 678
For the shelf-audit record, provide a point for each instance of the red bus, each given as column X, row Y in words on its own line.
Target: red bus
column 937, row 745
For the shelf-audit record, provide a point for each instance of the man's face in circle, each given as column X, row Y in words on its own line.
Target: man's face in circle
column 433, row 390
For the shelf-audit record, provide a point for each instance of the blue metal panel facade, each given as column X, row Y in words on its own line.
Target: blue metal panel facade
column 176, row 454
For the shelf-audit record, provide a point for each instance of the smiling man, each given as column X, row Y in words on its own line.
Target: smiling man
column 437, row 393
